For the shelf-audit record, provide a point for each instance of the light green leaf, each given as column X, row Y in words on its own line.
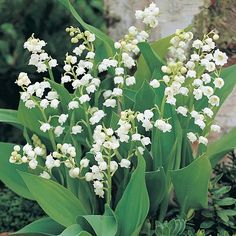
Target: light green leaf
column 9, row 174
column 133, row 207
column 9, row 117
column 228, row 201
column 73, row 230
column 153, row 60
column 191, row 184
column 218, row 149
column 166, row 147
column 42, row 227
column 103, row 225
column 58, row 202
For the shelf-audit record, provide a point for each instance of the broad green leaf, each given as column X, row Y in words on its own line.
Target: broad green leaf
column 42, row 227
column 58, row 202
column 73, row 230
column 103, row 225
column 114, row 121
column 218, row 149
column 144, row 98
column 153, row 60
column 147, row 63
column 157, row 186
column 10, row 117
column 132, row 209
column 101, row 37
column 9, row 174
column 166, row 147
column 191, row 184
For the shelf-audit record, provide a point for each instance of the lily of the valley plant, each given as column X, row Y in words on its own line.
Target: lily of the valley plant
column 121, row 135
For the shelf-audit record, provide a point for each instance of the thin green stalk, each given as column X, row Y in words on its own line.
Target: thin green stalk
column 109, row 182
column 50, row 71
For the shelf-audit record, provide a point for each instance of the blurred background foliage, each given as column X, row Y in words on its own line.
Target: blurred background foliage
column 16, row 212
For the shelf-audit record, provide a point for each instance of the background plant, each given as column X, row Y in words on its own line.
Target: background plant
column 16, row 212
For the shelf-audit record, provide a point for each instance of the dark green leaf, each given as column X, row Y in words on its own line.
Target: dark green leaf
column 144, row 98
column 10, row 117
column 156, row 185
column 191, row 184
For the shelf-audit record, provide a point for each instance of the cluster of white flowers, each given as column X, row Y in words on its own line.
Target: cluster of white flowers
column 130, row 42
column 39, row 57
column 182, row 79
column 149, row 15
column 29, row 155
column 105, row 139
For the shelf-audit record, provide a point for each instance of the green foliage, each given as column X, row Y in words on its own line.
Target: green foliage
column 173, row 227
column 221, row 147
column 220, row 216
column 15, row 211
column 57, row 196
column 136, row 198
column 41, row 227
column 196, row 174
column 139, row 203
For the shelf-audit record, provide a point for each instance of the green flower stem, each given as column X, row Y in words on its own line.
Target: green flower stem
column 50, row 133
column 50, row 71
column 87, row 124
column 109, row 182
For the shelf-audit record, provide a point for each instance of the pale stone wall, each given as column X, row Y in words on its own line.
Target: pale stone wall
column 175, row 14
